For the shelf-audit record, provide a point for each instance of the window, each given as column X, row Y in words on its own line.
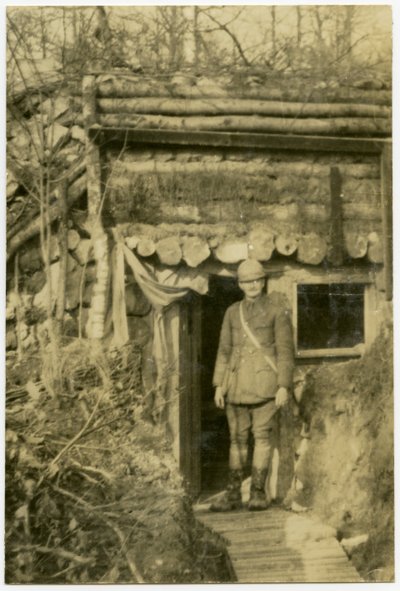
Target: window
column 329, row 319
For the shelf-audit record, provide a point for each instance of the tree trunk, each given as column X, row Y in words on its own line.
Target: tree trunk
column 273, row 32
column 222, row 106
column 358, row 127
column 63, row 250
column 99, row 238
column 196, row 38
column 298, row 27
column 98, row 309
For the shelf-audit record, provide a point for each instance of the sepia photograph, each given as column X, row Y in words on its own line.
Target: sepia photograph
column 199, row 294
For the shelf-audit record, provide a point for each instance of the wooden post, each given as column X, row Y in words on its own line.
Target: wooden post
column 98, row 308
column 92, row 156
column 336, row 252
column 387, row 216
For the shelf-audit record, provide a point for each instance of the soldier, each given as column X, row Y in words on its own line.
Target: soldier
column 252, row 376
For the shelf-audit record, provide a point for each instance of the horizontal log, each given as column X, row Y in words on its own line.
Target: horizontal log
column 286, row 245
column 195, row 251
column 164, row 230
column 339, row 95
column 335, row 126
column 302, row 169
column 361, row 212
column 131, row 87
column 83, row 252
column 232, row 251
column 292, row 214
column 260, row 244
column 132, row 242
column 361, row 190
column 356, row 245
column 169, row 251
column 216, row 234
column 75, row 190
column 162, row 137
column 312, row 249
column 221, row 106
column 73, row 239
column 375, row 248
column 145, row 247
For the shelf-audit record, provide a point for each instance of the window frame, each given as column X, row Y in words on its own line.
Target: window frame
column 369, row 325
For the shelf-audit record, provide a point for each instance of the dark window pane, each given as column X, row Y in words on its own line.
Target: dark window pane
column 330, row 315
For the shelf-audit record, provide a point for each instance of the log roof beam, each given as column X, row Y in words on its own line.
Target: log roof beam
column 103, row 135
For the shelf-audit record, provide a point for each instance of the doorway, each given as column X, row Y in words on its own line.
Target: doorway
column 214, row 445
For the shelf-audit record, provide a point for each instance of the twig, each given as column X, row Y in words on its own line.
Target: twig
column 88, row 506
column 131, row 563
column 102, row 425
column 97, row 471
column 63, row 571
column 60, row 552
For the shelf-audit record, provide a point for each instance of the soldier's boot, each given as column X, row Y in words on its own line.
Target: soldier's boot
column 232, row 497
column 258, row 501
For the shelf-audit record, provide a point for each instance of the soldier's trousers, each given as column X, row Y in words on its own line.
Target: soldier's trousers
column 261, row 420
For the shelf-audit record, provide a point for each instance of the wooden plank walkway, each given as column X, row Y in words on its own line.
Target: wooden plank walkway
column 277, row 546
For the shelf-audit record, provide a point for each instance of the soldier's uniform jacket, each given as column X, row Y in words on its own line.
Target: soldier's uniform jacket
column 240, row 367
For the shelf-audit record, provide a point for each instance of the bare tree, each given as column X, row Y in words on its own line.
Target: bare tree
column 299, row 18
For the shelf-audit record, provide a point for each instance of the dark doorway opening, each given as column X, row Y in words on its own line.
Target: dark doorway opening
column 223, row 291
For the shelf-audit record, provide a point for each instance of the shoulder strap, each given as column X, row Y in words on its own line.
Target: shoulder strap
column 254, row 339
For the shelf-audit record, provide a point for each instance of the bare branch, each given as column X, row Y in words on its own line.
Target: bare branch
column 232, row 36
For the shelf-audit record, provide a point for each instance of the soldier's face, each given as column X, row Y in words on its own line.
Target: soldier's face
column 252, row 289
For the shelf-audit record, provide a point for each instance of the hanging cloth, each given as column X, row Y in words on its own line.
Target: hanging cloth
column 161, row 289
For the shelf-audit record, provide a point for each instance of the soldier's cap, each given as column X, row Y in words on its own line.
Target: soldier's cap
column 250, row 270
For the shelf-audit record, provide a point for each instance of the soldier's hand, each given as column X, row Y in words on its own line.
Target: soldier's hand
column 282, row 397
column 219, row 398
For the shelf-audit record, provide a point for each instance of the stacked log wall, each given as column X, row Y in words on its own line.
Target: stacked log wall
column 204, row 206
column 287, row 193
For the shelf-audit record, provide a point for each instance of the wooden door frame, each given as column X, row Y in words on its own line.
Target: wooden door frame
column 190, row 393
